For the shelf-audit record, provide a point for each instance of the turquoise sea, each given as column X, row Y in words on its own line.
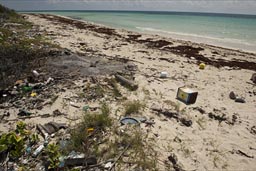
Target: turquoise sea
column 227, row 30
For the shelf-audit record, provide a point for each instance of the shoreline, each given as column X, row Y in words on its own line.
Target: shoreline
column 228, row 43
column 167, row 45
column 156, row 34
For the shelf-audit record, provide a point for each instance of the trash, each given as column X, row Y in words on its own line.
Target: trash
column 163, row 74
column 63, row 143
column 24, row 113
column 129, row 120
column 28, row 150
column 75, row 159
column 232, row 95
column 74, row 105
column 187, row 95
column 53, row 127
column 50, row 79
column 201, row 66
column 27, row 88
column 62, row 162
column 38, row 150
column 253, row 78
column 36, row 74
column 33, row 94
column 85, row 108
column 109, row 164
column 90, row 130
column 240, row 100
column 140, row 118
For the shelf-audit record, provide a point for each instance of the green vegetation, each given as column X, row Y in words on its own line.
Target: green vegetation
column 91, row 128
column 21, row 47
column 6, row 13
column 133, row 107
column 14, row 142
column 53, row 153
column 140, row 151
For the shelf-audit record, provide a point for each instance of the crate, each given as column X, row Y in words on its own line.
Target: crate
column 186, row 95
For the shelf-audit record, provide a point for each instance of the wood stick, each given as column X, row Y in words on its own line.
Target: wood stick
column 119, row 157
column 126, row 82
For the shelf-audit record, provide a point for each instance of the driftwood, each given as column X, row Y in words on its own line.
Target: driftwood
column 40, row 128
column 29, row 117
column 244, row 154
column 128, row 83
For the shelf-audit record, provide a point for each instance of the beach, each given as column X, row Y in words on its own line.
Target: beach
column 223, row 132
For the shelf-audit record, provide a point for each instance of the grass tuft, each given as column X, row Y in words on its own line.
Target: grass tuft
column 133, row 107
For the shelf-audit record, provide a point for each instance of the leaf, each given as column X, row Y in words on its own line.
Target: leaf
column 3, row 147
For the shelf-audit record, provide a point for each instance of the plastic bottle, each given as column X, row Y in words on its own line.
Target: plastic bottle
column 38, row 151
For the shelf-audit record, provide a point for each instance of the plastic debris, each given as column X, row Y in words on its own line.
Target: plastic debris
column 36, row 74
column 129, row 120
column 27, row 88
column 76, row 159
column 85, row 108
column 90, row 130
column 240, row 100
column 108, row 164
column 50, row 79
column 33, row 94
column 201, row 66
column 163, row 74
column 38, row 151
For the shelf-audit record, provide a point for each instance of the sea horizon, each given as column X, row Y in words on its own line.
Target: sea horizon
column 145, row 11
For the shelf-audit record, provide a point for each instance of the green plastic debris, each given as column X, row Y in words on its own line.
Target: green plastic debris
column 85, row 108
column 27, row 88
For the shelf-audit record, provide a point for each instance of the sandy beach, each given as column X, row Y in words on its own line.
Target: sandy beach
column 223, row 132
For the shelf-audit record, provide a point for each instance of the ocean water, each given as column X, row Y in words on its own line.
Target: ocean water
column 226, row 30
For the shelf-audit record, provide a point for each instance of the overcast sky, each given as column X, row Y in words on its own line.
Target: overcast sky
column 219, row 6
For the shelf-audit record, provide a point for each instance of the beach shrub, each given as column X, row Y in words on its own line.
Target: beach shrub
column 90, row 128
column 53, row 154
column 133, row 107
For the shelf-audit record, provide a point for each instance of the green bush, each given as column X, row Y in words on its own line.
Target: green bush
column 133, row 107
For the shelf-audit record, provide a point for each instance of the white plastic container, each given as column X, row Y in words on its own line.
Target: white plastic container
column 36, row 74
column 163, row 74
